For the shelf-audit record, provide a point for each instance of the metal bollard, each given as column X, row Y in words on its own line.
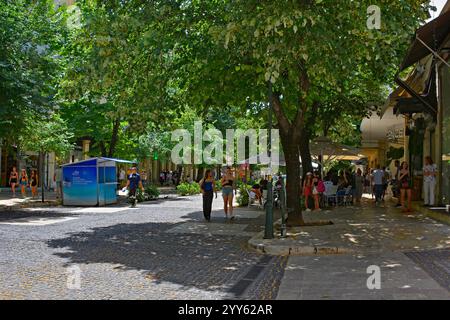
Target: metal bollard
column 268, row 231
column 283, row 231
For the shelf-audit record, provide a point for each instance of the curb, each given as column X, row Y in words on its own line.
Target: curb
column 438, row 216
column 30, row 205
column 260, row 245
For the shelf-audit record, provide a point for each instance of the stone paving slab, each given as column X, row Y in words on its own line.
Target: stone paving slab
column 345, row 277
column 435, row 262
column 358, row 230
column 438, row 215
column 211, row 229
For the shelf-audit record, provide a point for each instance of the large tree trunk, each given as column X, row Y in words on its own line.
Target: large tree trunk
column 291, row 134
column 200, row 174
column 103, row 148
column 305, row 152
column 114, row 138
column 293, row 183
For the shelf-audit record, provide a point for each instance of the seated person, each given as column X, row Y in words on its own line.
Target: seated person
column 263, row 183
column 256, row 189
column 343, row 183
column 279, row 183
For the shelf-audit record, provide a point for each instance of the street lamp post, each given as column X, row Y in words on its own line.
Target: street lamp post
column 268, row 233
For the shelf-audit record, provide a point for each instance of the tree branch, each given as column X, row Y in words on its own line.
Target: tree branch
column 304, row 86
column 279, row 113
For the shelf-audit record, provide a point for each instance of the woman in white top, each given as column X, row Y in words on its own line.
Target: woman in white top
column 429, row 181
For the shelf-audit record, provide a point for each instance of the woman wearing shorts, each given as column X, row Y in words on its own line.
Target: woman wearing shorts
column 13, row 180
column 23, row 183
column 227, row 192
column 307, row 189
column 405, row 186
column 34, row 183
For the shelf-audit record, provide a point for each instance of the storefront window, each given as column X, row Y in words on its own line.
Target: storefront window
column 445, row 94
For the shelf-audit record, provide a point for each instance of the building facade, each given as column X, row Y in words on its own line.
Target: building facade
column 422, row 102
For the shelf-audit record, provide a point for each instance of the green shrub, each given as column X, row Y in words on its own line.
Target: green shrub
column 186, row 189
column 242, row 197
column 152, row 191
column 183, row 188
column 140, row 196
column 195, row 188
column 218, row 185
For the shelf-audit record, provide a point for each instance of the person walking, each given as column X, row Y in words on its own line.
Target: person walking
column 228, row 185
column 13, row 180
column 175, row 178
column 359, row 185
column 34, row 183
column 343, row 184
column 23, row 183
column 396, row 183
column 161, row 178
column 122, row 178
column 405, row 187
column 307, row 189
column 367, row 182
column 429, row 181
column 387, row 178
column 134, row 182
column 169, row 178
column 58, row 177
column 378, row 177
column 207, row 185
column 317, row 189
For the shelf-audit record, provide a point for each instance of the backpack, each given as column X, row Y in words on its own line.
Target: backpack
column 321, row 187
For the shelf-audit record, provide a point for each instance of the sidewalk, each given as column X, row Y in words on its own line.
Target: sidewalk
column 439, row 215
column 345, row 277
column 8, row 202
column 358, row 230
column 411, row 253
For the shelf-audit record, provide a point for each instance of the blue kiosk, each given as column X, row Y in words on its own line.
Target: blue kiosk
column 91, row 182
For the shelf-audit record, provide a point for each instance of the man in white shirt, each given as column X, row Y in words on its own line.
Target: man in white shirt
column 429, row 181
column 58, row 180
column 378, row 178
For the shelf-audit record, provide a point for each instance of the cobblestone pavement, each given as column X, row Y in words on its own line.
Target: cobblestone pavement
column 145, row 253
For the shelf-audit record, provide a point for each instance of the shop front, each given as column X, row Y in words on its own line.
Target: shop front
column 444, row 79
column 11, row 156
column 423, row 98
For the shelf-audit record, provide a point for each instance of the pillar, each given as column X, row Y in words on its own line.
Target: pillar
column 406, row 142
column 86, row 144
column 438, row 150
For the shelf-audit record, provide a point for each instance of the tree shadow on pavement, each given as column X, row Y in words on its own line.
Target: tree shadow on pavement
column 207, row 262
column 8, row 216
